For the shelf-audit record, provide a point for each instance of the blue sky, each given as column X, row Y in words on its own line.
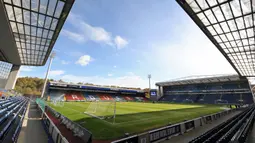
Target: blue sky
column 120, row 42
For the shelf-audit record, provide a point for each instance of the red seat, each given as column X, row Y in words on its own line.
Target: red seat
column 74, row 96
column 129, row 98
column 105, row 97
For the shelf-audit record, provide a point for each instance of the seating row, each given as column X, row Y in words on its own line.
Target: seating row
column 245, row 98
column 12, row 112
column 230, row 130
column 231, row 86
column 78, row 96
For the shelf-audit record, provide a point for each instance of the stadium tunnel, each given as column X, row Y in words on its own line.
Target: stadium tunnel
column 29, row 30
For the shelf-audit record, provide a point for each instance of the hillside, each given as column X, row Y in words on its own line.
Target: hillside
column 29, row 85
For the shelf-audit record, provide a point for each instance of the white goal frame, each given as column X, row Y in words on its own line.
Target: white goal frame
column 58, row 101
column 95, row 110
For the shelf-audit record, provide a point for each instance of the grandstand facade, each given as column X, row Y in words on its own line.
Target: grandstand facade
column 74, row 92
column 230, row 89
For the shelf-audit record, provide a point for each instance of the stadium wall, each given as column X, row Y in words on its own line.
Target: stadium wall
column 55, row 133
column 2, row 83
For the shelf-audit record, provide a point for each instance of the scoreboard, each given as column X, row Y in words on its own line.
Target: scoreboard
column 153, row 94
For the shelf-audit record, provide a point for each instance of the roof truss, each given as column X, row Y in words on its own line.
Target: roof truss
column 35, row 25
column 229, row 24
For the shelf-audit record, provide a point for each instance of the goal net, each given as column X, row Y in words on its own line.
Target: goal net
column 102, row 110
column 58, row 101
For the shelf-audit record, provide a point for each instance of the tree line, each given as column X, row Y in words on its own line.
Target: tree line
column 30, row 85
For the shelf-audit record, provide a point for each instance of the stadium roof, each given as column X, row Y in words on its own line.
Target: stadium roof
column 31, row 28
column 72, row 85
column 200, row 79
column 229, row 24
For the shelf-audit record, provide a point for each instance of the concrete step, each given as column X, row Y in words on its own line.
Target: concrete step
column 32, row 130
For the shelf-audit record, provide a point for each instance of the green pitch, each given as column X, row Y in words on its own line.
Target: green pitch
column 133, row 117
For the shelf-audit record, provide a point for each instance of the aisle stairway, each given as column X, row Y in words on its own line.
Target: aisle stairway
column 32, row 129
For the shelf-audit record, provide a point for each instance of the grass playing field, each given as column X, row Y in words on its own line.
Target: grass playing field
column 133, row 117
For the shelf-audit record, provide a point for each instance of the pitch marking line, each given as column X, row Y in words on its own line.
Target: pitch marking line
column 126, row 123
column 90, row 115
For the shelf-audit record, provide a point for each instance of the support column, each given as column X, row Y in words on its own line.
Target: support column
column 160, row 91
column 11, row 81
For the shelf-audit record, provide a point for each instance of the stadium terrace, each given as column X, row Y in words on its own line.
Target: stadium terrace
column 228, row 89
column 214, row 109
column 91, row 87
column 76, row 92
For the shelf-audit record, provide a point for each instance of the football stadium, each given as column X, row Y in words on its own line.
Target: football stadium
column 192, row 109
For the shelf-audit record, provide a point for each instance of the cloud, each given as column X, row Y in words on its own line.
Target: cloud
column 84, row 60
column 126, row 81
column 26, row 68
column 73, row 36
column 96, row 34
column 138, row 61
column 56, row 72
column 86, row 32
column 63, row 62
column 120, row 42
column 114, row 66
column 109, row 74
column 130, row 73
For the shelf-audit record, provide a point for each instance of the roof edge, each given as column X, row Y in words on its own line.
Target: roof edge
column 201, row 79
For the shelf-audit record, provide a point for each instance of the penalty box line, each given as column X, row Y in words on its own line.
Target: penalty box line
column 124, row 123
column 88, row 114
column 92, row 115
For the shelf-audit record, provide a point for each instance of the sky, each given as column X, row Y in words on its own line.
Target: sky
column 120, row 42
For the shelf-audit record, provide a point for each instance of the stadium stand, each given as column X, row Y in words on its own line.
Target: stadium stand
column 74, row 96
column 119, row 98
column 12, row 111
column 211, row 90
column 92, row 93
column 91, row 97
column 234, row 129
column 129, row 98
column 105, row 97
column 71, row 96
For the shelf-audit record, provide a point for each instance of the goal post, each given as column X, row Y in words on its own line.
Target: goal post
column 58, row 101
column 104, row 110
